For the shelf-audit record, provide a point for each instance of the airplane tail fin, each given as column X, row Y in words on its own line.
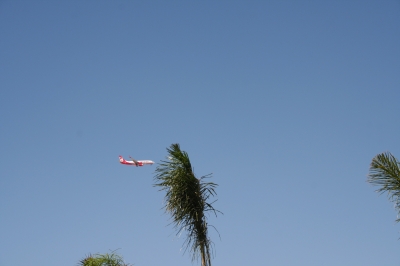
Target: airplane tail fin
column 121, row 159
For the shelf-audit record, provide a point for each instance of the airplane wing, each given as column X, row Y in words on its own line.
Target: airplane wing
column 136, row 162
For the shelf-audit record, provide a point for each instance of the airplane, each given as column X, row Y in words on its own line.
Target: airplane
column 134, row 162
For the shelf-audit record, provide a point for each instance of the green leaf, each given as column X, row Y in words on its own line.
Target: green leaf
column 385, row 172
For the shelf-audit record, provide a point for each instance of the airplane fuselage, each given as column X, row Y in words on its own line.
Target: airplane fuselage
column 134, row 162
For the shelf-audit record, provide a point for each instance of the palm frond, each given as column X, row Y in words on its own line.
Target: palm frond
column 107, row 259
column 186, row 201
column 385, row 172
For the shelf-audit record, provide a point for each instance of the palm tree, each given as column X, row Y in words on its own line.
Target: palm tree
column 186, row 201
column 385, row 172
column 103, row 260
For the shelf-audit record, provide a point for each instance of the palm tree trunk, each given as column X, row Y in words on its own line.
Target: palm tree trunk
column 203, row 255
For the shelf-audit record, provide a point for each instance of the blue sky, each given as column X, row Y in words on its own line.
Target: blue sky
column 285, row 102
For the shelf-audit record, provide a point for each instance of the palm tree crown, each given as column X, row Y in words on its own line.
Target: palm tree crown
column 112, row 259
column 385, row 172
column 186, row 200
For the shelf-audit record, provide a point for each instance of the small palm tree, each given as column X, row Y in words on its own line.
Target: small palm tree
column 103, row 260
column 385, row 172
column 186, row 200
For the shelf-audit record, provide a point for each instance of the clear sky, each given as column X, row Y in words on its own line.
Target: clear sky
column 285, row 102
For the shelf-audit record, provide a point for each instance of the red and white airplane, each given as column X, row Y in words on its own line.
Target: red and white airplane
column 134, row 162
